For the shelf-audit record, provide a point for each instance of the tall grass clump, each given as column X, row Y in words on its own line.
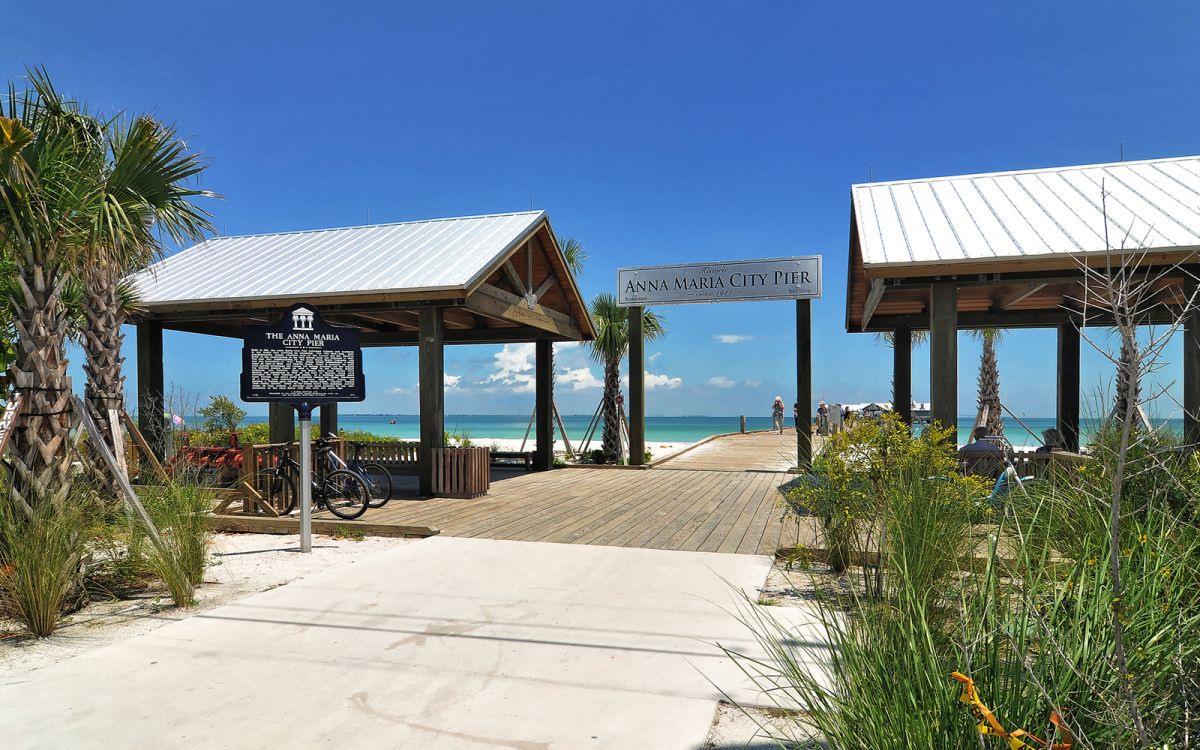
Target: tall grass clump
column 179, row 511
column 42, row 548
column 1021, row 600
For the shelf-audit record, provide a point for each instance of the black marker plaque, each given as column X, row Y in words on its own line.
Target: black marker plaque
column 301, row 360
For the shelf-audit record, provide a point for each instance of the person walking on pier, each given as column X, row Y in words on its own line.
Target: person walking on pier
column 777, row 414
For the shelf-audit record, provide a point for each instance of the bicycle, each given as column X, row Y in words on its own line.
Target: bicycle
column 375, row 476
column 342, row 492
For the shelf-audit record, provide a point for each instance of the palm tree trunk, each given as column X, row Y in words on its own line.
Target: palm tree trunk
column 1129, row 386
column 40, row 455
column 105, row 387
column 989, row 387
column 610, row 444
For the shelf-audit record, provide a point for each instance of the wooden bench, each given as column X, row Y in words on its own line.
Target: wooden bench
column 400, row 457
column 502, row 458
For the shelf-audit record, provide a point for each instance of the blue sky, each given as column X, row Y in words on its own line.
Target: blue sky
column 654, row 133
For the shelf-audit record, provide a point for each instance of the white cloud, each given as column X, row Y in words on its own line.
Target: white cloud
column 653, row 356
column 732, row 338
column 398, row 391
column 514, row 367
column 662, row 381
column 720, row 381
column 753, row 383
column 451, row 381
column 580, row 379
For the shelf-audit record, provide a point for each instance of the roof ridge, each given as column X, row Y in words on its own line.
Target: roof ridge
column 1038, row 170
column 374, row 226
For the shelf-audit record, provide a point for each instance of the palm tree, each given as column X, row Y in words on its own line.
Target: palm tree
column 574, row 254
column 47, row 160
column 144, row 188
column 609, row 347
column 989, row 379
column 1129, row 383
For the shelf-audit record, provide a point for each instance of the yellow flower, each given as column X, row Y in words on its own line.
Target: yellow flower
column 1091, row 561
column 1142, row 537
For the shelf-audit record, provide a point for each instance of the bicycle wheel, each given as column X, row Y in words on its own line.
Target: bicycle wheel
column 379, row 483
column 283, row 493
column 345, row 494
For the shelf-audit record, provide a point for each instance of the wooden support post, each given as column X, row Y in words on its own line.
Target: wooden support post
column 150, row 386
column 1068, row 385
column 943, row 356
column 431, row 350
column 637, row 386
column 902, row 373
column 544, row 405
column 281, row 423
column 329, row 420
column 804, row 383
column 1191, row 359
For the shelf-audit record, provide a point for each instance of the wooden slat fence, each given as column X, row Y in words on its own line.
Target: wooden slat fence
column 461, row 472
column 393, row 455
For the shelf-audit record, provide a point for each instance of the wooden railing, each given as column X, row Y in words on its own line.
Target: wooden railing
column 461, row 472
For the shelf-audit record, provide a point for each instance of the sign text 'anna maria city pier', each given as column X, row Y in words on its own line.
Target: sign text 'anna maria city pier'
column 725, row 281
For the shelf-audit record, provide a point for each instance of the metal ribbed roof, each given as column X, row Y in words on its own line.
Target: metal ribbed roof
column 413, row 255
column 1151, row 205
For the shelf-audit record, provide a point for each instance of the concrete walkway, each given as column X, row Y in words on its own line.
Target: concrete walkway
column 444, row 643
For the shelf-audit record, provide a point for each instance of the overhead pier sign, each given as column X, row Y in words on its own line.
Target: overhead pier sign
column 724, row 281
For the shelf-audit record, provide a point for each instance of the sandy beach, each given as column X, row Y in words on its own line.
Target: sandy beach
column 657, row 448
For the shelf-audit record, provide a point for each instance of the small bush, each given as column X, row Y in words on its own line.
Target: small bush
column 40, row 557
column 179, row 511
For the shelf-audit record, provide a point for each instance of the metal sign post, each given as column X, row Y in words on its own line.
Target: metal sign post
column 305, row 477
column 303, row 362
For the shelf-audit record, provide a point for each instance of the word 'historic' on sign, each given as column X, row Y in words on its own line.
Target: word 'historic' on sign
column 301, row 359
column 726, row 281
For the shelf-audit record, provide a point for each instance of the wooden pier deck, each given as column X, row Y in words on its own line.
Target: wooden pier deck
column 726, row 499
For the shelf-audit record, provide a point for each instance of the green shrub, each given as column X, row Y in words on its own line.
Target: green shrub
column 1027, row 615
column 40, row 558
column 179, row 511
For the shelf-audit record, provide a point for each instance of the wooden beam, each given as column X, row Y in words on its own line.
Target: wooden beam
column 329, row 419
column 150, row 385
column 543, row 287
column 1012, row 297
column 508, row 335
column 281, row 423
column 1191, row 362
column 490, row 300
column 637, row 386
column 804, row 383
column 1012, row 319
column 544, row 405
column 902, row 373
column 513, row 278
column 1068, row 385
column 943, row 356
column 873, row 297
column 431, row 383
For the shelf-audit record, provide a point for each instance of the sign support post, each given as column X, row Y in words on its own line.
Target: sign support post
column 305, row 477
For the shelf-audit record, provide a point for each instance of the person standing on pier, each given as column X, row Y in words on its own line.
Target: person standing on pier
column 777, row 414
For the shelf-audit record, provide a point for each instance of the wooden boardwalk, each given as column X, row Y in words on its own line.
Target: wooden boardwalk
column 724, row 496
column 705, row 511
column 753, row 451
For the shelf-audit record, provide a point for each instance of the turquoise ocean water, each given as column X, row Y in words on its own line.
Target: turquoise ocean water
column 662, row 429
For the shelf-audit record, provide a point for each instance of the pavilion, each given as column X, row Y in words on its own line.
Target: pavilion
column 493, row 279
column 1005, row 250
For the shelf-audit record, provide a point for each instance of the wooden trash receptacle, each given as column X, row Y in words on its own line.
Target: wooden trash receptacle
column 461, row 472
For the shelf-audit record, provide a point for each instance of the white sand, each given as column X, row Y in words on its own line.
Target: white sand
column 239, row 565
column 657, row 448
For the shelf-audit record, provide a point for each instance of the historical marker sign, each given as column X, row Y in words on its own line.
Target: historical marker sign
column 724, row 281
column 301, row 359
